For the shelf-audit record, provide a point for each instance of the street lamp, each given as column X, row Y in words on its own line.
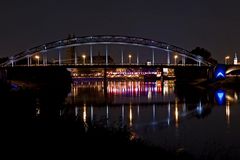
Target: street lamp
column 37, row 57
column 84, row 57
column 175, row 59
column 129, row 58
column 226, row 59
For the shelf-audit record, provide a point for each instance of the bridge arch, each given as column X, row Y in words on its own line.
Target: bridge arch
column 232, row 69
column 105, row 40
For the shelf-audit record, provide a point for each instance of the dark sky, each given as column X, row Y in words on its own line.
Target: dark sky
column 211, row 24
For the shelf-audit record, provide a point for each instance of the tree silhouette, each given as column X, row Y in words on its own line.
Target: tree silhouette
column 203, row 53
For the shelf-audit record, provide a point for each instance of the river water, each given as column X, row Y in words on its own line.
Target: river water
column 202, row 121
column 199, row 120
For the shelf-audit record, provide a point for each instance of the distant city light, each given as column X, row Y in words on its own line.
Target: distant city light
column 226, row 59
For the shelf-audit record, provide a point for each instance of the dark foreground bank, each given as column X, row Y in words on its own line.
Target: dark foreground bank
column 26, row 134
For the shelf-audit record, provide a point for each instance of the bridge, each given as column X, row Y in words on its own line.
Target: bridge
column 232, row 70
column 120, row 47
column 114, row 55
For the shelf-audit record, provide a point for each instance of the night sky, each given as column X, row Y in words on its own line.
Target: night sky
column 211, row 24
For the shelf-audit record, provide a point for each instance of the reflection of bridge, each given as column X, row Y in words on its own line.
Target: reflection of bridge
column 136, row 104
column 156, row 53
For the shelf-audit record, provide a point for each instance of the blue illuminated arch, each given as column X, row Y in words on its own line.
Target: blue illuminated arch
column 220, row 72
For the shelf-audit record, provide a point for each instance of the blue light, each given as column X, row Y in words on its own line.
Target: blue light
column 220, row 96
column 220, row 72
column 220, row 75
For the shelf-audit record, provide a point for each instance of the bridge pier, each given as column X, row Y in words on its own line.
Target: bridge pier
column 121, row 56
column 44, row 58
column 153, row 57
column 137, row 59
column 106, row 54
column 183, row 60
column 168, row 57
column 199, row 63
column 91, row 54
column 29, row 60
column 11, row 61
column 59, row 58
column 75, row 57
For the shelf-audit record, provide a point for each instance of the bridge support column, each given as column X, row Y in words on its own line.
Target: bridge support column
column 153, row 58
column 121, row 56
column 59, row 58
column 106, row 54
column 75, row 56
column 183, row 60
column 91, row 54
column 28, row 59
column 168, row 57
column 11, row 61
column 137, row 59
column 44, row 59
column 199, row 63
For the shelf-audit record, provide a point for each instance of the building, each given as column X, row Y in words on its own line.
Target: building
column 235, row 60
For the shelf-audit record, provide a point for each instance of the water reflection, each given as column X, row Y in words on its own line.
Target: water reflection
column 149, row 104
column 176, row 113
column 84, row 113
column 227, row 111
column 130, row 116
column 220, row 96
column 139, row 104
column 153, row 108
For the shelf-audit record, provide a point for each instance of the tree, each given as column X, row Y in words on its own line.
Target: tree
column 3, row 59
column 203, row 53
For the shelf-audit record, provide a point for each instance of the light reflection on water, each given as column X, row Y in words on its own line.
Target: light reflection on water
column 147, row 103
column 155, row 111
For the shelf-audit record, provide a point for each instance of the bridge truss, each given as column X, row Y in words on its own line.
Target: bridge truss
column 91, row 41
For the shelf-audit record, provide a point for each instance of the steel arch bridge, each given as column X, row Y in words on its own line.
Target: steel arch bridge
column 103, row 40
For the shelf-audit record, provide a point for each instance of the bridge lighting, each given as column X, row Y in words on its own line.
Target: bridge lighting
column 37, row 57
column 84, row 58
column 220, row 72
column 175, row 59
column 129, row 58
column 226, row 59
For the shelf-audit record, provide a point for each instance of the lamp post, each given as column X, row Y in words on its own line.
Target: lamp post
column 37, row 57
column 175, row 59
column 129, row 58
column 84, row 57
column 226, row 59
